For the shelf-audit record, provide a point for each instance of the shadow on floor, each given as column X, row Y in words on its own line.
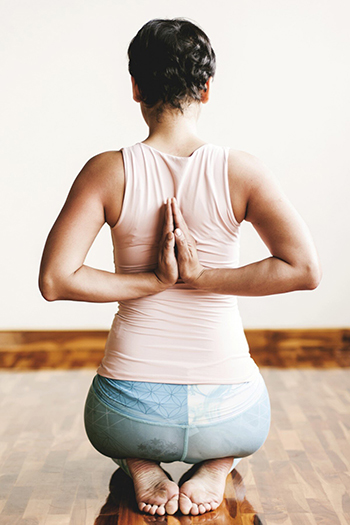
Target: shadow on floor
column 121, row 508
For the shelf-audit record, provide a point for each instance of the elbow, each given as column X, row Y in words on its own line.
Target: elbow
column 312, row 275
column 48, row 288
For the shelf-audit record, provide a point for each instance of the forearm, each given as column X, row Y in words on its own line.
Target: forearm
column 267, row 277
column 99, row 286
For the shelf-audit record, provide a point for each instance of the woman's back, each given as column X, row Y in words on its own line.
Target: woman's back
column 181, row 334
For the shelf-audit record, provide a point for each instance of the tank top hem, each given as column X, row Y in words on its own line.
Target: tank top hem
column 165, row 378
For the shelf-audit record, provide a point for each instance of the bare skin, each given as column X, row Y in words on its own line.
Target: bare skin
column 204, row 491
column 155, row 492
column 96, row 198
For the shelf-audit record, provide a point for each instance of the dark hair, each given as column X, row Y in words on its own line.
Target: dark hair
column 171, row 61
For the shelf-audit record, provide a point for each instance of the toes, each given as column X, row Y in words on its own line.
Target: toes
column 172, row 505
column 153, row 509
column 158, row 496
column 185, row 503
column 189, row 507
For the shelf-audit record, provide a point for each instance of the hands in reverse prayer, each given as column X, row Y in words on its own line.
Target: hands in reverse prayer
column 184, row 264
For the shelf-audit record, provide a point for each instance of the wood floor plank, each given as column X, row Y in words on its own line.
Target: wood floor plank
column 37, row 509
column 323, row 512
column 302, row 519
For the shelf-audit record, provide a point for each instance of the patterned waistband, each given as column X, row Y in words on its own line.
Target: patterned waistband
column 178, row 404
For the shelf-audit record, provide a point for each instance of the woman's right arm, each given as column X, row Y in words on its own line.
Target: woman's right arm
column 257, row 198
column 63, row 274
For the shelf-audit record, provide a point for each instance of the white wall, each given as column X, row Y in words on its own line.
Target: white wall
column 281, row 92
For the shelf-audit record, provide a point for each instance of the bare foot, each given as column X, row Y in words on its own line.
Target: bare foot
column 155, row 492
column 204, row 491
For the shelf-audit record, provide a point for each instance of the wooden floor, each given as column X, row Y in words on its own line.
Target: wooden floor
column 51, row 475
column 76, row 349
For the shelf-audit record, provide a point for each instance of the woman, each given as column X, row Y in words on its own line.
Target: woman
column 177, row 382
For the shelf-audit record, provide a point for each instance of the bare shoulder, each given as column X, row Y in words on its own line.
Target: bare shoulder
column 104, row 167
column 247, row 168
column 103, row 175
column 246, row 174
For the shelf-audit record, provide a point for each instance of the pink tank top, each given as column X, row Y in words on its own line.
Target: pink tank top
column 181, row 335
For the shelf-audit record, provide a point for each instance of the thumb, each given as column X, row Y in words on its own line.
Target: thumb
column 180, row 238
column 169, row 240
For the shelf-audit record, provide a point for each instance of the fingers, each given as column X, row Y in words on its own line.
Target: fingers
column 180, row 240
column 167, row 270
column 168, row 219
column 174, row 219
column 179, row 235
column 169, row 241
column 178, row 217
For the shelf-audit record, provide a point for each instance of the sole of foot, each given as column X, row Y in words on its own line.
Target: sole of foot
column 202, row 487
column 155, row 492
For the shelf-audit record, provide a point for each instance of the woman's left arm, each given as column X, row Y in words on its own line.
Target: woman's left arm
column 63, row 274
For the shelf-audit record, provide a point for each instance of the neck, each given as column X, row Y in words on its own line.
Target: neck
column 172, row 128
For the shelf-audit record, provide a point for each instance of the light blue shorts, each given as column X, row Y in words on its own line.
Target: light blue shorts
column 168, row 422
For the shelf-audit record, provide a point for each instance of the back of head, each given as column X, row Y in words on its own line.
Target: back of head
column 171, row 61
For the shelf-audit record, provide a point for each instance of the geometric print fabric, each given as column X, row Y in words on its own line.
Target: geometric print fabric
column 178, row 403
column 156, row 426
column 147, row 401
